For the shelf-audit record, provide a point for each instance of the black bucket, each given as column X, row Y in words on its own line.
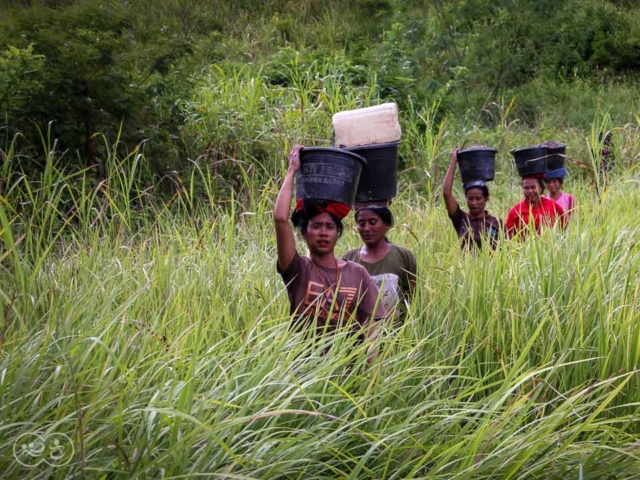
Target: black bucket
column 555, row 155
column 477, row 163
column 378, row 180
column 530, row 160
column 328, row 173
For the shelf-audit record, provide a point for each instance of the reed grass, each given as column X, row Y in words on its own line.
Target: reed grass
column 155, row 335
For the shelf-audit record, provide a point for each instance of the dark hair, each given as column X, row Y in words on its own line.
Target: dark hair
column 381, row 211
column 605, row 138
column 301, row 221
column 484, row 188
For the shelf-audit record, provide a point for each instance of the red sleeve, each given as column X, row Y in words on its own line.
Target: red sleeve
column 555, row 211
column 511, row 222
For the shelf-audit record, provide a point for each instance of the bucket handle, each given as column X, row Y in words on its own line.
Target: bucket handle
column 546, row 156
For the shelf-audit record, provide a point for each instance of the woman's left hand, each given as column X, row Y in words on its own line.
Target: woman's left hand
column 294, row 158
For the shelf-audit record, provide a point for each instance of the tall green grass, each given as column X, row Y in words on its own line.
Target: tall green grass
column 155, row 335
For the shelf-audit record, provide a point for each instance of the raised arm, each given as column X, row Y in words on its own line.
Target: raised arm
column 285, row 241
column 449, row 201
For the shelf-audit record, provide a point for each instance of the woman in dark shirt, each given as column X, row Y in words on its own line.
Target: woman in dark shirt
column 477, row 224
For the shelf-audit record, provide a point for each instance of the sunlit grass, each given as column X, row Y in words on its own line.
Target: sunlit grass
column 155, row 336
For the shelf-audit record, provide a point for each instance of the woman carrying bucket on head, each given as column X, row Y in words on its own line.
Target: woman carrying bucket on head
column 392, row 267
column 535, row 210
column 554, row 181
column 321, row 287
column 554, row 177
column 477, row 224
column 374, row 134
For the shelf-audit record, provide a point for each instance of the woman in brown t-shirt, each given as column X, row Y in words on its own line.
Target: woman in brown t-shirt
column 321, row 288
column 477, row 224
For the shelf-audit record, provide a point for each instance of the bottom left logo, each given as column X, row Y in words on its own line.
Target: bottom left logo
column 54, row 449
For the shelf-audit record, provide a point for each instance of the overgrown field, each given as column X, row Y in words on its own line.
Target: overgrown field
column 154, row 336
column 143, row 328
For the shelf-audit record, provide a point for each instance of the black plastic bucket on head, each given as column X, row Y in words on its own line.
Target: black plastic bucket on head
column 530, row 160
column 555, row 155
column 477, row 163
column 378, row 180
column 328, row 173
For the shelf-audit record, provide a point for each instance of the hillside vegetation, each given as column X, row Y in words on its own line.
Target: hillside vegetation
column 229, row 81
column 143, row 325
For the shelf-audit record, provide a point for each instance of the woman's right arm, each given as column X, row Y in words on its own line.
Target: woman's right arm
column 449, row 201
column 510, row 223
column 285, row 241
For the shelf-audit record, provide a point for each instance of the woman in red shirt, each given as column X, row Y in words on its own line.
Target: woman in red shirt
column 534, row 209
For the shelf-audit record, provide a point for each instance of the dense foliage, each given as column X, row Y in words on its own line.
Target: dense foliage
column 135, row 70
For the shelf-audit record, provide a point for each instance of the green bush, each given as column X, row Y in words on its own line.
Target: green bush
column 138, row 71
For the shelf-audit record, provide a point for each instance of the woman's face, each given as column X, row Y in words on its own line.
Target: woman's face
column 321, row 234
column 531, row 190
column 476, row 201
column 371, row 228
column 554, row 186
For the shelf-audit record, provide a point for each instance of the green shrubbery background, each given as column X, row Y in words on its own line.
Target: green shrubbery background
column 141, row 144
column 226, row 82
